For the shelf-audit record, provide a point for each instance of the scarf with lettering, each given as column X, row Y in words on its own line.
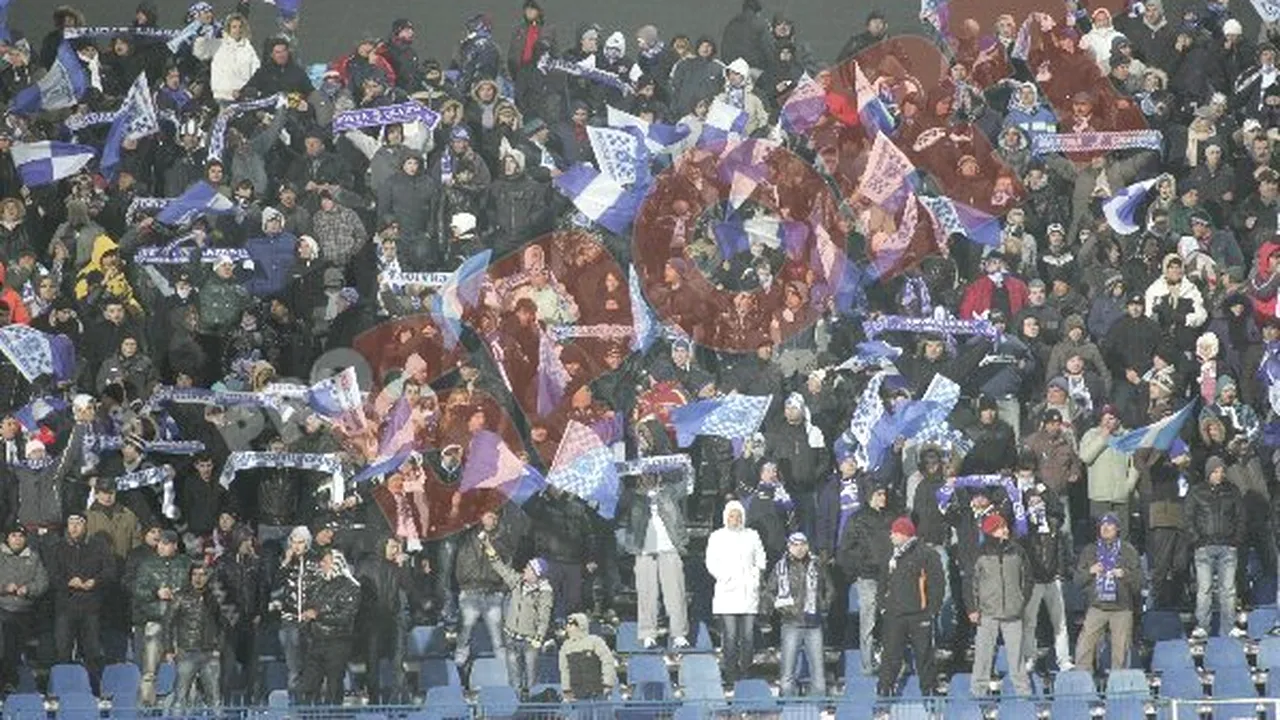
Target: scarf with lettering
column 1105, row 586
column 783, row 569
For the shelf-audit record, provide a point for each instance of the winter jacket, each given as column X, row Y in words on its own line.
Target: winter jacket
column 472, row 571
column 736, row 559
column 273, row 78
column 528, row 615
column 197, row 618
column 792, row 611
column 747, row 36
column 1129, row 587
column 520, row 208
column 233, row 64
column 1044, row 542
column 1001, row 582
column 336, row 601
column 802, row 467
column 293, row 588
column 1059, row 463
column 221, row 303
column 114, row 282
column 273, row 258
column 668, row 500
column 117, row 525
column 1112, row 476
column 865, row 547
column 694, row 79
column 243, row 578
column 588, row 668
column 993, row 448
column 41, row 492
column 1214, row 515
column 24, row 569
column 913, row 583
column 88, row 558
column 560, row 528
column 409, row 200
column 931, row 523
column 153, row 573
column 384, row 588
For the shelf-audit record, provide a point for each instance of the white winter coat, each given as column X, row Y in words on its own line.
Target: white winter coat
column 735, row 558
column 233, row 64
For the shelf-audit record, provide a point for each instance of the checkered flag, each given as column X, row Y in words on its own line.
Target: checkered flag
column 584, row 466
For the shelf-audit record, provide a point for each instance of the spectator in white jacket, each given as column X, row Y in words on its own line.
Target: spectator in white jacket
column 234, row 62
column 735, row 558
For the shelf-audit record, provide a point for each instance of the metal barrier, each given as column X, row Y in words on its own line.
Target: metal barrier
column 1230, row 709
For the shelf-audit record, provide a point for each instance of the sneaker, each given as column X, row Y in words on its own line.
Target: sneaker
column 1066, row 666
column 649, row 643
column 1029, row 666
column 1274, row 631
column 1238, row 632
column 1199, row 634
column 679, row 643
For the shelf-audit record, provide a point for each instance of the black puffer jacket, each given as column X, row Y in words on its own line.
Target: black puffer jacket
column 561, row 528
column 1047, row 549
column 519, row 209
column 1214, row 515
column 199, row 616
column 473, row 571
column 865, row 547
column 914, row 583
column 336, row 601
column 157, row 572
column 244, row 579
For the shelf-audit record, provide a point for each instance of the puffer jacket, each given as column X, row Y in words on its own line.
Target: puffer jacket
column 221, row 302
column 409, row 200
column 233, row 64
column 1112, row 476
column 588, row 668
column 528, row 615
column 736, row 559
column 336, row 601
column 1045, row 545
column 157, row 572
column 1001, row 580
column 1214, row 515
column 198, row 617
column 519, row 209
column 40, row 492
column 292, row 588
column 914, row 582
column 865, row 547
column 793, row 612
column 472, row 570
column 23, row 569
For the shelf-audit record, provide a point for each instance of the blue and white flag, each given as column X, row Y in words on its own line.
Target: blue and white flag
column 460, row 293
column 601, row 199
column 658, row 137
column 620, row 154
column 30, row 416
column 724, row 125
column 46, row 162
column 491, row 465
column 644, row 323
column 198, row 200
column 887, row 171
column 337, row 397
column 35, row 353
column 584, row 466
column 734, row 416
column 135, row 120
column 1121, row 208
column 61, row 87
column 951, row 217
column 383, row 466
column 804, row 107
column 1159, row 435
column 737, row 236
column 872, row 111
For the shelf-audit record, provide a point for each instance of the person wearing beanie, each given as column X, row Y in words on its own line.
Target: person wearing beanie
column 1216, row 521
column 999, row 592
column 527, row 623
column 1110, row 572
column 529, row 33
column 294, row 575
column 994, row 440
column 401, row 55
column 1046, row 544
column 911, row 594
column 44, row 492
column 79, row 568
column 864, row 551
column 801, row 594
column 1112, row 475
column 735, row 559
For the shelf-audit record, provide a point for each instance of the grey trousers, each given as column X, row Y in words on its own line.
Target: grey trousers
column 660, row 573
column 1051, row 595
column 984, row 654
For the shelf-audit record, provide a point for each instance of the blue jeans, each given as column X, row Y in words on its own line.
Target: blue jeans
column 809, row 639
column 943, row 621
column 1219, row 560
column 522, row 664
column 738, row 645
column 474, row 606
column 193, row 666
column 291, row 643
column 867, row 624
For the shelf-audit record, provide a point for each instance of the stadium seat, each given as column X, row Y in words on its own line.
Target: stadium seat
column 701, row 640
column 24, row 706
column 1261, row 619
column 68, row 678
column 1127, row 682
column 1172, row 655
column 964, row 708
column 120, row 683
column 852, row 664
column 628, row 639
column 691, row 711
column 1125, row 707
column 700, row 678
column 909, row 711
column 651, row 691
column 1006, row 686
column 647, row 668
column 1269, row 653
column 1160, row 625
column 166, row 676
column 1234, row 682
column 1224, row 652
column 425, row 641
column 1076, row 683
column 437, row 672
column 487, row 672
column 447, row 703
column 1072, row 706
column 911, row 687
column 1181, row 683
column 498, row 702
column 753, row 694
column 1017, row 708
column 275, row 675
column 547, row 671
column 26, row 679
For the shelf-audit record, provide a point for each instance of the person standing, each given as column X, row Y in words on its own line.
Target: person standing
column 736, row 560
column 1046, row 549
column 801, row 595
column 78, row 569
column 22, row 581
column 528, row 616
column 1001, row 585
column 294, row 577
column 328, row 620
column 1215, row 518
column 1112, row 578
column 481, row 591
column 159, row 578
column 1112, row 476
column 658, row 538
column 864, row 552
column 197, row 624
column 588, row 669
column 912, row 590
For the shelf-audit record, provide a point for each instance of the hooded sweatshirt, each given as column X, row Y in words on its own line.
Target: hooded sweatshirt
column 736, row 559
column 587, row 668
column 115, row 281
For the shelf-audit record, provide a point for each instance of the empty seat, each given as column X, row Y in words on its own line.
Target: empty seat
column 1233, row 682
column 498, row 702
column 1073, row 706
column 1017, row 708
column 1126, row 707
column 1183, row 683
column 1160, row 625
column 487, row 672
column 911, row 687
column 909, row 711
column 166, row 676
column 1172, row 655
column 1261, row 619
column 68, row 678
column 1126, row 682
column 437, row 672
column 1269, row 653
column 647, row 668
column 547, row 670
column 120, row 683
column 961, row 685
column 1074, row 683
column 1224, row 652
column 425, row 641
column 24, row 706
column 628, row 640
column 700, row 678
column 753, row 694
column 77, row 706
column 860, row 687
column 447, row 702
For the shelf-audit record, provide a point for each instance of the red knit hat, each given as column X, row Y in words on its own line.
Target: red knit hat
column 992, row 523
column 903, row 526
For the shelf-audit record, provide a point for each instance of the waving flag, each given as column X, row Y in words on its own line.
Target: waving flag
column 804, row 106
column 601, row 199
column 620, row 154
column 490, row 465
column 336, row 396
column 734, row 416
column 658, row 137
column 907, row 421
column 35, row 353
column 30, row 416
column 951, row 217
column 1121, row 208
column 735, row 236
column 383, row 466
column 135, row 119
column 459, row 293
column 199, row 199
column 644, row 323
column 398, row 432
column 936, row 14
column 584, row 466
column 724, row 125
column 887, row 170
column 875, row 115
column 61, row 87
column 45, row 162
column 1159, row 435
column 552, row 375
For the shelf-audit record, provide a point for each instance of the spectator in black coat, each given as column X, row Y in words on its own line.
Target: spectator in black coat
column 79, row 567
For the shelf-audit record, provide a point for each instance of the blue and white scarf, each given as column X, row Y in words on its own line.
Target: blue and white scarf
column 945, row 326
column 596, row 75
column 330, row 463
column 1011, row 491
column 201, row 396
column 172, row 255
column 602, row 332
column 783, row 569
column 1086, row 142
column 850, row 502
column 71, row 33
column 400, row 113
column 657, row 464
column 1105, row 586
column 915, row 293
column 106, row 443
column 144, row 204
column 161, row 475
column 218, row 134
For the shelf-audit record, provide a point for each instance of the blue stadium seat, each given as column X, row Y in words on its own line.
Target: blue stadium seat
column 1074, row 682
column 278, row 699
column 651, row 691
column 700, row 678
column 909, row 711
column 1072, row 706
column 854, row 604
column 1181, row 683
column 965, row 708
column 24, row 706
column 1002, row 660
column 1125, row 707
column 77, row 706
column 547, row 671
column 852, row 664
column 1261, row 619
column 691, row 711
column 425, row 641
column 68, row 678
column 487, row 672
column 1269, row 653
column 1235, row 682
column 961, row 685
column 437, row 672
column 753, row 695
column 1127, row 682
column 647, row 668
column 1006, row 686
column 166, row 676
column 275, row 675
column 447, row 703
column 26, row 680
column 498, row 702
column 1160, row 625
column 1017, row 708
column 911, row 687
column 1171, row 655
column 628, row 639
column 701, row 640
column 1224, row 652
column 860, row 687
column 120, row 683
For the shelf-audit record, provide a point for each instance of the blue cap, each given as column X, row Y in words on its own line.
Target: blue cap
column 1109, row 519
column 459, row 132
